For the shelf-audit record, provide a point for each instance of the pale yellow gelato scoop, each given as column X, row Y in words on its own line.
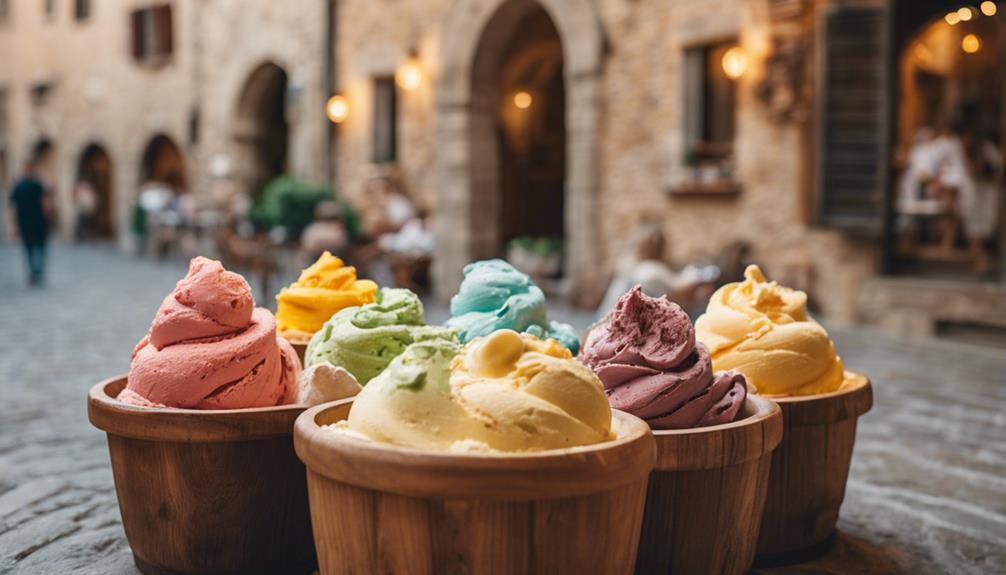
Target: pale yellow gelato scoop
column 506, row 392
column 761, row 329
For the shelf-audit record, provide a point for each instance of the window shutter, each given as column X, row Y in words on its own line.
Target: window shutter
column 136, row 25
column 164, row 32
column 852, row 104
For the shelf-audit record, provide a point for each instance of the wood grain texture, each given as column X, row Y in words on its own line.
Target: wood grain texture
column 371, row 514
column 706, row 495
column 234, row 505
column 810, row 469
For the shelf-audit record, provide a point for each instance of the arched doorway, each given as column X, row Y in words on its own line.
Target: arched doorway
column 260, row 128
column 947, row 132
column 93, row 193
column 531, row 133
column 494, row 50
column 163, row 163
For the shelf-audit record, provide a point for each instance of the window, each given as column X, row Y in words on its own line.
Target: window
column 385, row 120
column 81, row 10
column 710, row 110
column 50, row 8
column 152, row 34
column 4, row 10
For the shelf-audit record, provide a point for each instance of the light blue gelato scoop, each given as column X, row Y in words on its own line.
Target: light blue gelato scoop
column 495, row 295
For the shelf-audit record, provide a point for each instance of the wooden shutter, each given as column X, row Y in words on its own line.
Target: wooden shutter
column 136, row 25
column 163, row 31
column 852, row 120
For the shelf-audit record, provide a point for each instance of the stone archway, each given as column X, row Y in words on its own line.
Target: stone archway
column 260, row 131
column 475, row 39
column 163, row 162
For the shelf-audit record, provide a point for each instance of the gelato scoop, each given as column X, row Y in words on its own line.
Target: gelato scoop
column 322, row 289
column 363, row 340
column 645, row 353
column 761, row 329
column 209, row 347
column 506, row 392
column 495, row 295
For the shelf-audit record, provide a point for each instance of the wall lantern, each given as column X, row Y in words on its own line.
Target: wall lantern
column 409, row 75
column 522, row 100
column 337, row 108
column 734, row 62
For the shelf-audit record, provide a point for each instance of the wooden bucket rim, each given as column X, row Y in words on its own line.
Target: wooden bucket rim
column 556, row 473
column 176, row 424
column 718, row 446
column 823, row 408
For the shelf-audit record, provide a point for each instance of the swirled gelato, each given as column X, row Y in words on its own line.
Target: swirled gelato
column 495, row 295
column 322, row 289
column 364, row 339
column 507, row 392
column 645, row 353
column 209, row 347
column 761, row 329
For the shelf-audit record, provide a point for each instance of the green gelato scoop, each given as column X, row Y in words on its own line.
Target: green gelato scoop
column 364, row 339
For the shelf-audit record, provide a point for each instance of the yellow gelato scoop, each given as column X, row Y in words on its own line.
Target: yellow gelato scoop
column 505, row 392
column 761, row 329
column 322, row 289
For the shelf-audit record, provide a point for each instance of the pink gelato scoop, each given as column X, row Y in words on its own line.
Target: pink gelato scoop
column 645, row 353
column 209, row 347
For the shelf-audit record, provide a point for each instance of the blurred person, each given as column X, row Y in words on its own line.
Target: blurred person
column 326, row 233
column 644, row 265
column 86, row 201
column 953, row 180
column 31, row 201
column 387, row 207
column 979, row 202
column 410, row 249
column 921, row 168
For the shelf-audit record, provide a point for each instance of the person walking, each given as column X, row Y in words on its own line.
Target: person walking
column 32, row 209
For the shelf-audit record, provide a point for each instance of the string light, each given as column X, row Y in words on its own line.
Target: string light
column 952, row 18
column 971, row 43
column 964, row 14
column 988, row 8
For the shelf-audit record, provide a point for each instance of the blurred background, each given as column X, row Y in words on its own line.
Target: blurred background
column 853, row 149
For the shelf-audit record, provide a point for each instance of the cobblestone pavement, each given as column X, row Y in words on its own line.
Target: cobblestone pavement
column 927, row 492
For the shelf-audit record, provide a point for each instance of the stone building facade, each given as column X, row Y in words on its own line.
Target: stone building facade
column 207, row 97
column 634, row 87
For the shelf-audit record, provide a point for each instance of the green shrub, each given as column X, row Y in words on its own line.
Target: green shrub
column 289, row 203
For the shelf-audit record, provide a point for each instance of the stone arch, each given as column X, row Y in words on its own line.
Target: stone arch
column 475, row 36
column 260, row 129
column 163, row 162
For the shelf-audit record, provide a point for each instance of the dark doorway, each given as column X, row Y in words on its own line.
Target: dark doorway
column 94, row 190
column 260, row 127
column 163, row 163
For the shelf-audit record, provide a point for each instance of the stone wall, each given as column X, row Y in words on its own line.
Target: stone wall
column 639, row 135
column 102, row 96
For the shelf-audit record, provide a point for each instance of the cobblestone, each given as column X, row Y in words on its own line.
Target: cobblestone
column 926, row 493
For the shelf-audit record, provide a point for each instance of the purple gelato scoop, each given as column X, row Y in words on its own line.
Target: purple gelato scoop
column 644, row 351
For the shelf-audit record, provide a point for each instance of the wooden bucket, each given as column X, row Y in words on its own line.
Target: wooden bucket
column 707, row 493
column 809, row 471
column 207, row 491
column 378, row 508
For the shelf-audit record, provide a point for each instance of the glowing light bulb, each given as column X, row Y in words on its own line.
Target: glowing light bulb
column 734, row 62
column 952, row 18
column 971, row 43
column 409, row 75
column 337, row 108
column 988, row 8
column 522, row 100
column 964, row 14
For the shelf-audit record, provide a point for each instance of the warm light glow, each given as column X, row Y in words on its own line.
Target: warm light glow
column 952, row 18
column 522, row 100
column 971, row 43
column 337, row 108
column 409, row 75
column 734, row 62
column 964, row 14
column 988, row 8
